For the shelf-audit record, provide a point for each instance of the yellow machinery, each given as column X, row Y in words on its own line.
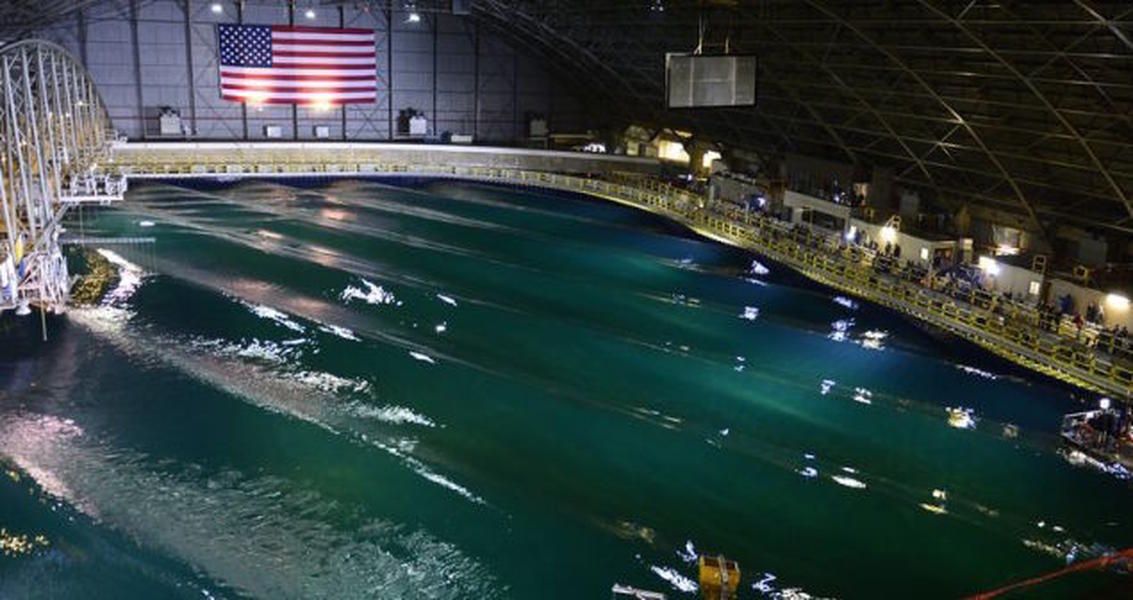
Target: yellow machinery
column 719, row 577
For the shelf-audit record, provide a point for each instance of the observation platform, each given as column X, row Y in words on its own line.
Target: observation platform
column 1010, row 330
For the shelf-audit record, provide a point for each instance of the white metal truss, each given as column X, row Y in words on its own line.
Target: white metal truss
column 54, row 129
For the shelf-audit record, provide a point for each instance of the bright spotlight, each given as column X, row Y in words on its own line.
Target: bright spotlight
column 414, row 17
column 1104, row 403
column 216, row 8
column 989, row 266
column 1117, row 301
column 310, row 14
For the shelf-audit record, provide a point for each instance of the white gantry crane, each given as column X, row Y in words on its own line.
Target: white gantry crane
column 53, row 131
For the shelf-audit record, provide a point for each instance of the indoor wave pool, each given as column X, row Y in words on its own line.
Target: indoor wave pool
column 438, row 389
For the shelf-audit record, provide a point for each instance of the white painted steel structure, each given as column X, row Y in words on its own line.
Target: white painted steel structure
column 53, row 131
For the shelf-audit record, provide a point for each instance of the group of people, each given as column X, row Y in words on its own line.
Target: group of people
column 961, row 282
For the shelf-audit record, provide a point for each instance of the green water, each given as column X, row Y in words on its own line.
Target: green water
column 548, row 395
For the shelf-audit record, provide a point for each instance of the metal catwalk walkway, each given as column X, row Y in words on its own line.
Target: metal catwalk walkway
column 54, row 130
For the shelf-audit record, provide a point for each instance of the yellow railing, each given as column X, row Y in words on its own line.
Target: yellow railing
column 1007, row 329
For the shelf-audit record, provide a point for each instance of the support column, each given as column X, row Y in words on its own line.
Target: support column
column 243, row 105
column 515, row 126
column 137, row 66
column 476, row 83
column 341, row 25
column 389, row 65
column 188, row 6
column 81, row 32
column 294, row 107
column 433, row 116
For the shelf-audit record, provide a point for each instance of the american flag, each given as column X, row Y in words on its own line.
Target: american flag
column 279, row 64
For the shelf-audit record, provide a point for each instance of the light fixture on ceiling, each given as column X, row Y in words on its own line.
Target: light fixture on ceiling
column 413, row 16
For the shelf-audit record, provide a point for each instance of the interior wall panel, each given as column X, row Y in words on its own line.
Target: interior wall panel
column 437, row 67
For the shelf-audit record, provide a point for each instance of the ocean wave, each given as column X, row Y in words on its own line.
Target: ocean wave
column 262, row 535
column 372, row 294
column 275, row 315
column 397, row 415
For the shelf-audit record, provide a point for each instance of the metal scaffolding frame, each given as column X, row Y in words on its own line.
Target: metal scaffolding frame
column 53, row 130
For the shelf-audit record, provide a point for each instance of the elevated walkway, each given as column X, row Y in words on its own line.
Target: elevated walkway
column 1010, row 331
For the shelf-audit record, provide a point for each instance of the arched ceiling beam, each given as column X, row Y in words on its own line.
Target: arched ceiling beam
column 1066, row 124
column 868, row 106
column 896, row 60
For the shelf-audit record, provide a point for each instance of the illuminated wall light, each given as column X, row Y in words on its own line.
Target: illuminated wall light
column 310, row 14
column 674, row 151
column 710, row 156
column 988, row 265
column 1117, row 301
column 216, row 8
column 851, row 233
column 414, row 17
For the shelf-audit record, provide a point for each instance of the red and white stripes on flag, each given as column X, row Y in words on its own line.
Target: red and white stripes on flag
column 313, row 66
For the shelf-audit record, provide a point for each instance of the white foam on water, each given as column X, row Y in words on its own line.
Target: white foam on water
column 372, row 294
column 327, row 382
column 130, row 277
column 447, row 299
column 978, row 372
column 441, row 327
column 263, row 350
column 688, row 554
column 145, row 223
column 675, row 579
column 845, row 302
column 873, row 339
column 863, row 395
column 267, row 391
column 397, row 415
column 341, row 332
column 849, row 482
column 422, row 357
column 263, row 535
column 272, row 314
column 750, row 313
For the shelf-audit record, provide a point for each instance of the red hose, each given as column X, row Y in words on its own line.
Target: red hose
column 1086, row 565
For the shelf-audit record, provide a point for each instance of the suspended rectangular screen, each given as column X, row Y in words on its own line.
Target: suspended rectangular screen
column 710, row 80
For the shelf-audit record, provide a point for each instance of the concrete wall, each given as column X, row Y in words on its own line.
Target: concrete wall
column 800, row 203
column 149, row 53
column 1017, row 281
column 1083, row 297
column 913, row 248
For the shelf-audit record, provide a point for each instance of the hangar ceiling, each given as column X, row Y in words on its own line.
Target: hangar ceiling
column 1023, row 107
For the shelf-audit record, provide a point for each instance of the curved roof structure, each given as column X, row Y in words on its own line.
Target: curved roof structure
column 1025, row 108
column 1022, row 107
